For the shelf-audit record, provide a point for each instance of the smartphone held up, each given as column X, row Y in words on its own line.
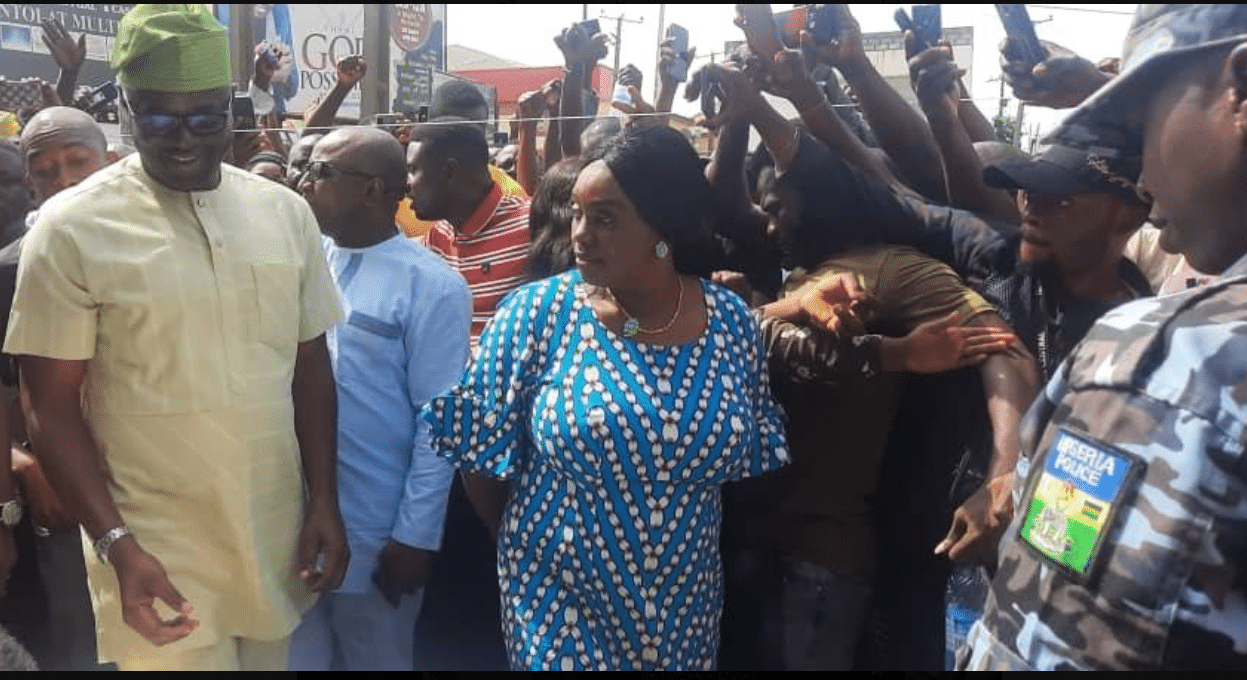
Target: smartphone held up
column 926, row 25
column 677, row 68
column 1024, row 45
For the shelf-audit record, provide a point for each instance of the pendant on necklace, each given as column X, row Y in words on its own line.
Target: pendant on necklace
column 630, row 327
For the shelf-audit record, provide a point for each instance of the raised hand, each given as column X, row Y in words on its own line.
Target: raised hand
column 740, row 97
column 758, row 24
column 265, row 65
column 579, row 48
column 844, row 51
column 667, row 55
column 531, row 106
column 552, row 91
column 351, row 70
column 934, row 76
column 788, row 77
column 1061, row 81
column 68, row 53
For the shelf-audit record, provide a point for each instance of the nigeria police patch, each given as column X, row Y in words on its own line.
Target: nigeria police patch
column 1071, row 504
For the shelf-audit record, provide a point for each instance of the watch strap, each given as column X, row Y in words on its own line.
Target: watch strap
column 105, row 543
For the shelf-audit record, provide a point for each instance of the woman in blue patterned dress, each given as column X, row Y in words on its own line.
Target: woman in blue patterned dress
column 604, row 410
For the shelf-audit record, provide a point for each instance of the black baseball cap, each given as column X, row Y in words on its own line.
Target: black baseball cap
column 1066, row 170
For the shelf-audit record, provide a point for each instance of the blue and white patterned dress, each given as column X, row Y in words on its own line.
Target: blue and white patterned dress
column 608, row 556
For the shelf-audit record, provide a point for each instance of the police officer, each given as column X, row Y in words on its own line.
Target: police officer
column 1129, row 545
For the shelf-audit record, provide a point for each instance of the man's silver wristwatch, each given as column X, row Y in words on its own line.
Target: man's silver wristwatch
column 105, row 543
column 11, row 511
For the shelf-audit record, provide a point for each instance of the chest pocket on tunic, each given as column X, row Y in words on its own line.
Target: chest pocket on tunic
column 277, row 302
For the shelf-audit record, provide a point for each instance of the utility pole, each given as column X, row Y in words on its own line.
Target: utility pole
column 619, row 20
column 1000, row 113
column 374, row 89
column 242, row 44
column 1017, row 125
column 662, row 10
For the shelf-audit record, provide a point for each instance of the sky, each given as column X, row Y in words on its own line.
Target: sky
column 524, row 33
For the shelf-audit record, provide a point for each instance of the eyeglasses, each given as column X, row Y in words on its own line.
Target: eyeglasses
column 164, row 124
column 317, row 170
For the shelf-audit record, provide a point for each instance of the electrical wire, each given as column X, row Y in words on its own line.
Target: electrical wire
column 1084, row 9
column 507, row 121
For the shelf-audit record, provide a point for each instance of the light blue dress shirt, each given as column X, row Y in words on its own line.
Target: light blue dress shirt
column 405, row 341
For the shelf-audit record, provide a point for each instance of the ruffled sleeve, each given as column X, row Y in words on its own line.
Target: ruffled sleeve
column 481, row 424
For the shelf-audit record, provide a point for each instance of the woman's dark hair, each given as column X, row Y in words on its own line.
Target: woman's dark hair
column 550, row 221
column 662, row 175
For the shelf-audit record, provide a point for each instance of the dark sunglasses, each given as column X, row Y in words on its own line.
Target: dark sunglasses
column 164, row 124
column 318, row 170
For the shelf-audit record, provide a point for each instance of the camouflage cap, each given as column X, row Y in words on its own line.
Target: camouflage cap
column 172, row 48
column 1111, row 120
column 1068, row 171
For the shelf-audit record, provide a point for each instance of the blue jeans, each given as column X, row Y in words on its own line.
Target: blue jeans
column 814, row 617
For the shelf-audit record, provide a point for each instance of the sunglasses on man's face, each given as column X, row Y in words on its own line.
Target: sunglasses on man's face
column 318, row 170
column 164, row 124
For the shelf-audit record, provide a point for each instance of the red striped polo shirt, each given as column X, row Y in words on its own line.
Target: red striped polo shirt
column 490, row 251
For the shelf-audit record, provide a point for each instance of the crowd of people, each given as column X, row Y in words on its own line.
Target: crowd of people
column 880, row 393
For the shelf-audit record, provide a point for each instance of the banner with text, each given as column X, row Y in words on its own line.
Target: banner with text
column 311, row 40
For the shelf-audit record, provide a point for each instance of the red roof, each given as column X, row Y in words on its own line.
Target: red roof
column 515, row 81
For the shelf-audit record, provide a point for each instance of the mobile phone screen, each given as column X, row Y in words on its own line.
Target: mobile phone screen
column 244, row 112
column 677, row 69
column 824, row 24
column 928, row 24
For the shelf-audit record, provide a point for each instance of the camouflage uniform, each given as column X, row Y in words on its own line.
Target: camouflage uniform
column 1156, row 394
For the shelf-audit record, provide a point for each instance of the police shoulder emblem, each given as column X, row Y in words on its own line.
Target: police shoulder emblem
column 1072, row 501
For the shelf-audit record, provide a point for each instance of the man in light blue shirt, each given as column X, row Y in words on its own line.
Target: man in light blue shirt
column 405, row 340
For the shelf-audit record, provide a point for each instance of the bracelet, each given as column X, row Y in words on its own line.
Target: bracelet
column 105, row 542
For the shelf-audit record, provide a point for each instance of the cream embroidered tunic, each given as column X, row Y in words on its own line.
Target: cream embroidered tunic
column 189, row 307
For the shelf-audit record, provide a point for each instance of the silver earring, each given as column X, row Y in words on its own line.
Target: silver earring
column 661, row 249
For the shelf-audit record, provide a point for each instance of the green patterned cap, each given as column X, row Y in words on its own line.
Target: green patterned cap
column 172, row 48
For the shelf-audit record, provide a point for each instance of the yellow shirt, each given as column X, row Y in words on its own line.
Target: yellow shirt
column 414, row 227
column 189, row 307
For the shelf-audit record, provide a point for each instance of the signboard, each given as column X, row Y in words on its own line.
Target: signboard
column 23, row 54
column 311, row 39
column 417, row 51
